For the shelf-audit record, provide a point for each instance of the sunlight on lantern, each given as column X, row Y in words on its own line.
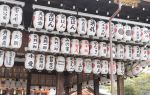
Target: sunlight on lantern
column 129, row 2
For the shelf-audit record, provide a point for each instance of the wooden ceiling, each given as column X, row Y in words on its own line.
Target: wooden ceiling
column 102, row 6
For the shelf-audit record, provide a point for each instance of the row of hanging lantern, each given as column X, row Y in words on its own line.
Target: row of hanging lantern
column 133, row 69
column 7, row 85
column 86, row 84
column 84, row 47
column 14, row 15
column 13, row 84
column 90, row 27
column 70, row 64
column 7, row 58
column 40, row 90
column 106, row 80
column 10, row 39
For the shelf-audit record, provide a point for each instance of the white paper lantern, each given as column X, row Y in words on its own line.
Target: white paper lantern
column 102, row 80
column 44, row 43
column 4, row 14
column 102, row 49
column 8, row 83
column 50, row 21
column 115, row 77
column 52, row 91
column 148, row 50
column 105, row 80
column 120, row 51
column 87, row 68
column 55, row 44
column 38, row 20
column 50, row 63
column 113, row 50
column 104, row 67
column 74, row 46
column 101, row 29
column 136, row 52
column 9, row 59
column 16, row 40
column 96, row 64
column 94, row 48
column 24, row 84
column 84, row 85
column 1, row 57
column 18, row 84
column 136, row 34
column 71, row 24
column 74, row 88
column 82, row 26
column 40, row 62
column 129, row 69
column 128, row 52
column 16, row 15
column 70, row 64
column 144, row 63
column 78, row 65
column 144, row 53
column 91, row 29
column 60, row 64
column 12, row 85
column 145, row 34
column 4, row 38
column 29, row 61
column 136, row 69
column 119, row 32
column 84, row 47
column 107, row 29
column 91, row 83
column 120, row 68
column 21, row 84
column 33, row 42
column 65, row 45
column 61, row 22
column 127, row 33
column 113, row 67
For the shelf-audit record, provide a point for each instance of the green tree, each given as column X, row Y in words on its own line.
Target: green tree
column 138, row 86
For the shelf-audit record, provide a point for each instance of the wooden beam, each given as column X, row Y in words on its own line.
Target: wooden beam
column 96, row 84
column 60, row 84
column 120, row 85
column 79, row 84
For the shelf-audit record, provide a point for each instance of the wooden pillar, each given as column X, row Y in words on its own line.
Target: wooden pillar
column 120, row 85
column 96, row 84
column 79, row 84
column 28, row 83
column 60, row 84
column 67, row 82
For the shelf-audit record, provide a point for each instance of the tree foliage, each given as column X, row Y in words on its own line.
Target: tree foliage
column 138, row 86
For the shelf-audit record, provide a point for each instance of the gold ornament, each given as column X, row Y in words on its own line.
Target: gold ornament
column 129, row 2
